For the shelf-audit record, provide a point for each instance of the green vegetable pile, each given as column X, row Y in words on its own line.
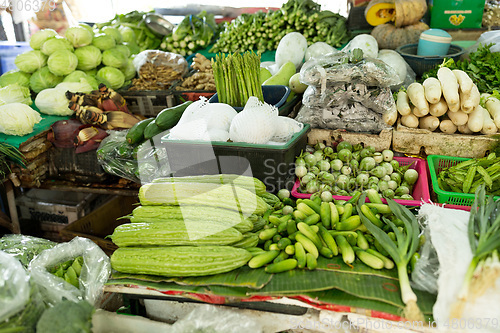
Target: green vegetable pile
column 468, row 176
column 24, row 248
column 263, row 31
column 67, row 316
column 380, row 236
column 69, row 270
column 237, row 78
column 350, row 169
column 193, row 33
column 483, row 67
column 134, row 30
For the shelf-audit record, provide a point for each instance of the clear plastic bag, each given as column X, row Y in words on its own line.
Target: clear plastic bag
column 488, row 37
column 23, row 247
column 14, row 286
column 343, row 94
column 116, row 156
column 160, row 58
column 425, row 275
column 96, row 269
column 209, row 318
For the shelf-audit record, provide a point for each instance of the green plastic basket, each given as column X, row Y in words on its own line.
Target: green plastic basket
column 438, row 163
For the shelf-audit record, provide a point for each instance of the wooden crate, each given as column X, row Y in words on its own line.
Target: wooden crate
column 420, row 141
column 378, row 141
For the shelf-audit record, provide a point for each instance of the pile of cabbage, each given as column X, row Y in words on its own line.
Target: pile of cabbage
column 82, row 54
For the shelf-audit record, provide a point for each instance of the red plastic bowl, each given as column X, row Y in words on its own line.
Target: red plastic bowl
column 420, row 190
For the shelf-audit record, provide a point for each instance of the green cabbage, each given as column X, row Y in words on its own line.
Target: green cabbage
column 56, row 44
column 123, row 49
column 112, row 76
column 82, row 86
column 30, row 61
column 15, row 76
column 89, row 57
column 39, row 37
column 91, row 72
column 53, row 101
column 103, row 42
column 43, row 79
column 79, row 36
column 113, row 32
column 75, row 76
column 15, row 93
column 18, row 119
column 62, row 62
column 129, row 70
column 114, row 58
column 128, row 34
column 88, row 27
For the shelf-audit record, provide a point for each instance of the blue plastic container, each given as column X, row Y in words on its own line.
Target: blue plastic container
column 9, row 52
column 274, row 95
column 434, row 42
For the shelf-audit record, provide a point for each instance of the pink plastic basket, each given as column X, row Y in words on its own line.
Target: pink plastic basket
column 420, row 190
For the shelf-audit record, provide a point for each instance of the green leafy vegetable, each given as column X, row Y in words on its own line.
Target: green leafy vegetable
column 62, row 62
column 30, row 61
column 39, row 37
column 15, row 76
column 89, row 57
column 55, row 44
column 15, row 93
column 79, row 36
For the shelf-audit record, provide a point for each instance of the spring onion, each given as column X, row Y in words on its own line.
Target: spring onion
column 484, row 240
column 401, row 251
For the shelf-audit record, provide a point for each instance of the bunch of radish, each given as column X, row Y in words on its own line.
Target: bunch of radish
column 449, row 103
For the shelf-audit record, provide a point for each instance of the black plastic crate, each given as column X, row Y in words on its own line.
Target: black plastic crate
column 65, row 164
column 272, row 164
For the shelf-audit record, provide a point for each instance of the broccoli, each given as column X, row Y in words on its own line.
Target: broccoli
column 67, row 316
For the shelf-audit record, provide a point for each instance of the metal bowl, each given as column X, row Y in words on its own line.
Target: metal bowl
column 159, row 24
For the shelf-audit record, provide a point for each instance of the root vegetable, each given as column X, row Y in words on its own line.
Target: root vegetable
column 432, row 89
column 469, row 101
column 449, row 85
column 489, row 126
column 410, row 120
column 438, row 109
column 390, row 116
column 403, row 103
column 493, row 107
column 464, row 129
column 447, row 126
column 464, row 81
column 417, row 112
column 430, row 123
column 416, row 94
column 454, row 107
column 458, row 118
column 476, row 119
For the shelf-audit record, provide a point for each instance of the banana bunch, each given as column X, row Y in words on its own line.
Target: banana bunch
column 69, row 271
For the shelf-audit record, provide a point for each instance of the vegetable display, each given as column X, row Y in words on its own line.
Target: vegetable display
column 350, row 169
column 193, row 33
column 263, row 31
column 468, row 176
column 450, row 102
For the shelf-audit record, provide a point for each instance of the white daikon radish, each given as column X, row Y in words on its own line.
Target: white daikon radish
column 464, row 129
column 417, row 112
column 410, row 120
column 449, row 85
column 489, row 126
column 429, row 122
column 416, row 94
column 447, row 126
column 493, row 107
column 454, row 107
column 464, row 81
column 476, row 119
column 390, row 116
column 432, row 89
column 403, row 103
column 458, row 118
column 469, row 101
column 438, row 109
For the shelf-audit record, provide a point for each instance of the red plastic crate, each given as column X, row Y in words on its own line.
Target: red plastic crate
column 420, row 190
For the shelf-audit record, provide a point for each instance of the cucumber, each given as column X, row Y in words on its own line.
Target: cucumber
column 169, row 117
column 151, row 130
column 136, row 133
